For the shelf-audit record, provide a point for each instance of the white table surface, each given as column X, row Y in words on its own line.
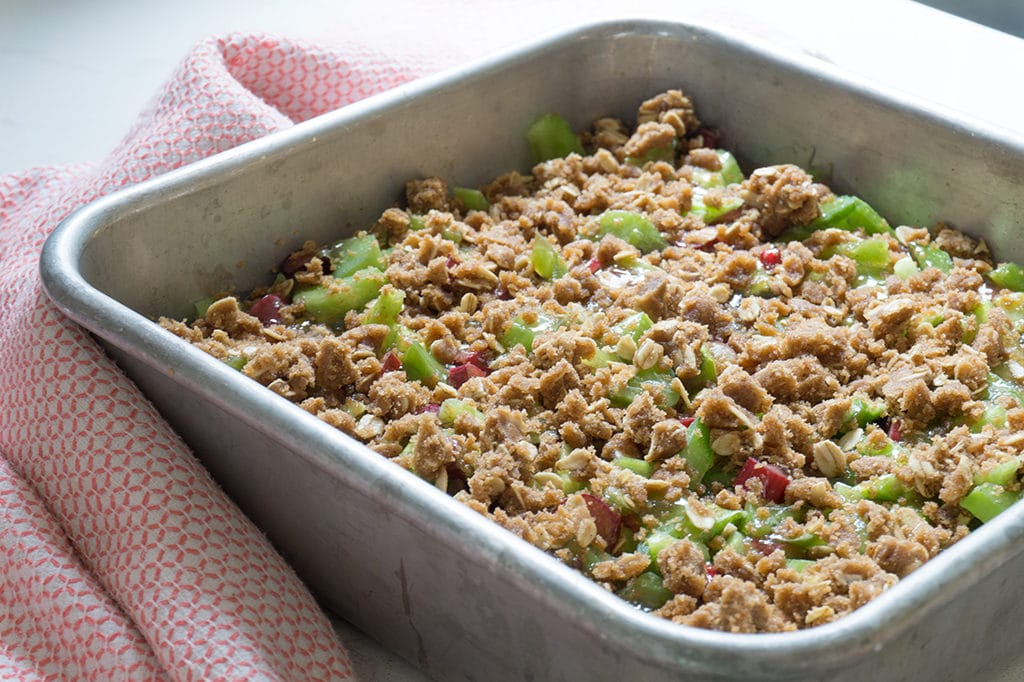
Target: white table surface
column 73, row 75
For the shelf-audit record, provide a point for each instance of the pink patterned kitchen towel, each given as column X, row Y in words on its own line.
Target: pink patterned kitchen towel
column 120, row 559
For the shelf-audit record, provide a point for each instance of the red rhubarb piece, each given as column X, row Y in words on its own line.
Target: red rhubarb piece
column 686, row 421
column 594, row 265
column 773, row 480
column 390, row 362
column 267, row 309
column 475, row 358
column 709, row 137
column 460, row 374
column 607, row 520
column 896, row 430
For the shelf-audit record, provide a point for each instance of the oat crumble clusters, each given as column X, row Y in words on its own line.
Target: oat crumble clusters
column 740, row 402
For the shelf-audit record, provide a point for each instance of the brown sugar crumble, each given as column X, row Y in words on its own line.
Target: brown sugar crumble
column 741, row 402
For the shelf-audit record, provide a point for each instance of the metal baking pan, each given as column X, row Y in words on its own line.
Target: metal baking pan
column 429, row 578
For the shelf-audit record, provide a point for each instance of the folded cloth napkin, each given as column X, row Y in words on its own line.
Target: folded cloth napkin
column 120, row 558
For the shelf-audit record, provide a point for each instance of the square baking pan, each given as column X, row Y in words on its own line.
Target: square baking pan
column 426, row 576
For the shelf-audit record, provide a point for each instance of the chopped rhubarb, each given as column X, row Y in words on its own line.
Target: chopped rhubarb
column 475, row 358
column 766, row 547
column 298, row 260
column 460, row 374
column 391, row 362
column 896, row 430
column 607, row 520
column 709, row 245
column 773, row 480
column 594, row 265
column 686, row 421
column 267, row 309
column 707, row 137
column 770, row 258
column 431, row 408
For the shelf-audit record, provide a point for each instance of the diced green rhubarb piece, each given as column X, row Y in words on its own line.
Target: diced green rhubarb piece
column 868, row 447
column 657, row 540
column 646, row 590
column 235, row 361
column 723, row 517
column 637, row 466
column 797, row 233
column 931, row 256
column 202, row 305
column 631, row 227
column 737, row 542
column 569, row 484
column 883, row 488
column 861, row 413
column 351, row 255
column 999, row 387
column 1003, row 474
column 547, row 261
column 718, row 475
column 601, row 358
column 452, row 233
column 987, row 500
column 416, row 223
column 387, row 307
column 757, row 525
column 834, row 212
column 994, row 415
column 698, row 453
column 707, row 375
column 666, row 153
column 711, row 214
column 551, row 137
column 1009, row 276
column 871, row 255
column 634, row 264
column 420, row 365
column 1011, row 302
column 798, row 565
column 661, row 379
column 591, row 556
column 619, row 500
column 522, row 332
column 760, row 284
column 354, row 407
column 635, row 325
column 804, row 541
column 847, row 492
column 729, row 174
column 905, row 268
column 471, row 199
column 453, row 407
column 563, row 479
column 850, row 213
column 328, row 304
column 698, row 522
column 400, row 338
